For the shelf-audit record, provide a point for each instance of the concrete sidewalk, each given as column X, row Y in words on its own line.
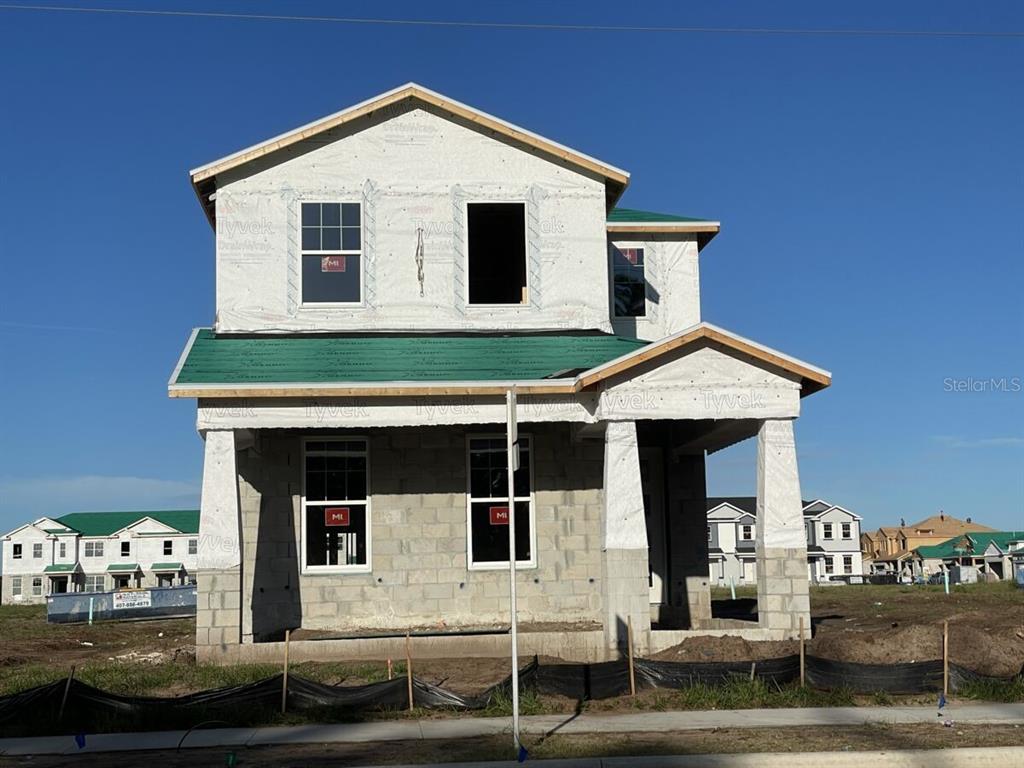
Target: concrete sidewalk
column 468, row 727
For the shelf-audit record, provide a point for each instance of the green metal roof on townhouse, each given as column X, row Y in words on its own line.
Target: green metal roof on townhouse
column 123, row 568
column 108, row 523
column 61, row 568
column 390, row 358
column 980, row 541
column 166, row 567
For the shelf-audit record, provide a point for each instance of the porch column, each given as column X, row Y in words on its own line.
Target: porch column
column 782, row 592
column 219, row 576
column 625, row 587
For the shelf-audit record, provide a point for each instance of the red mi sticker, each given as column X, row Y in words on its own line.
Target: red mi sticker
column 499, row 515
column 336, row 516
column 332, row 264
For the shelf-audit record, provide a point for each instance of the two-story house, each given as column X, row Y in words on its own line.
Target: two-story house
column 99, row 551
column 832, row 534
column 385, row 276
column 890, row 549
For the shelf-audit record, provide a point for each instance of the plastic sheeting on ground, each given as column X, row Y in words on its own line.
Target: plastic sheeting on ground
column 89, row 709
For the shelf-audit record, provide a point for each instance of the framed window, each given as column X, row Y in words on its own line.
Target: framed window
column 37, row 585
column 95, row 583
column 37, row 550
column 335, row 505
column 847, row 531
column 332, row 250
column 169, row 547
column 487, row 504
column 629, row 286
column 62, row 549
column 496, row 253
column 829, row 565
column 16, row 586
column 94, row 549
column 709, row 533
column 126, row 549
column 747, row 533
column 193, row 546
column 16, row 551
column 847, row 563
column 826, row 530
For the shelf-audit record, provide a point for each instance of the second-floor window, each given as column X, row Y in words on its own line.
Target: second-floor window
column 747, row 532
column 126, row 549
column 16, row 551
column 628, row 283
column 496, row 253
column 193, row 546
column 94, row 549
column 63, row 548
column 847, row 531
column 826, row 530
column 37, row 550
column 709, row 533
column 332, row 249
column 168, row 547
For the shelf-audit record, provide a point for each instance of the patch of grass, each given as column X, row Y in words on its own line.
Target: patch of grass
column 993, row 690
column 744, row 693
column 500, row 704
column 881, row 699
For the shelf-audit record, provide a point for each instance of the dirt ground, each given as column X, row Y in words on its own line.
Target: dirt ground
column 868, row 624
column 869, row 737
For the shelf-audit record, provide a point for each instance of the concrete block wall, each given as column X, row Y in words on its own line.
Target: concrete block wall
column 782, row 591
column 218, row 610
column 419, row 577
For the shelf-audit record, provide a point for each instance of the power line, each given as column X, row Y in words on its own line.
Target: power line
column 833, row 32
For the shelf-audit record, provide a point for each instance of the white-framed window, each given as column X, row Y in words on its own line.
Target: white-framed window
column 629, row 286
column 747, row 532
column 829, row 565
column 94, row 583
column 826, row 530
column 169, row 547
column 847, row 563
column 94, row 549
column 487, row 503
column 331, row 271
column 62, row 549
column 193, row 546
column 336, row 526
column 709, row 534
column 847, row 530
column 496, row 253
column 16, row 586
column 126, row 549
column 37, row 585
column 37, row 550
column 16, row 551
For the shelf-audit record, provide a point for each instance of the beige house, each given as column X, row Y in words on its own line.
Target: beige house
column 890, row 549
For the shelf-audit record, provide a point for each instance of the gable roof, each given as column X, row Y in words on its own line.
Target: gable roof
column 748, row 505
column 39, row 524
column 978, row 542
column 203, row 177
column 385, row 365
column 633, row 221
column 109, row 523
column 943, row 524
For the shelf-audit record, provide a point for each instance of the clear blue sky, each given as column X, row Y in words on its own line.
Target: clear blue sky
column 870, row 190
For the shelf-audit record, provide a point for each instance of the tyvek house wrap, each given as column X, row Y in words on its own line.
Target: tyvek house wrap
column 413, row 172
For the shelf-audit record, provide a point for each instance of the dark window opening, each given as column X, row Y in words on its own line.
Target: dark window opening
column 497, row 253
column 629, row 284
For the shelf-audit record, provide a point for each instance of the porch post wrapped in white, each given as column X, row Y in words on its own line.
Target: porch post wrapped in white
column 625, row 592
column 218, row 598
column 782, row 587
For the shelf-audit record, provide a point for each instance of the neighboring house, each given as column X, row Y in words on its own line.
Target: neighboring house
column 833, row 536
column 890, row 549
column 385, row 276
column 992, row 553
column 99, row 551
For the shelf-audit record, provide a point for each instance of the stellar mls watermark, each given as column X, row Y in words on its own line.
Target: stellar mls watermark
column 976, row 385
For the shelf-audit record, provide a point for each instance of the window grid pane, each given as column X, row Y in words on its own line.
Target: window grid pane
column 336, row 475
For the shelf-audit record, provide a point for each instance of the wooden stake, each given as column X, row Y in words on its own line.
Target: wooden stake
column 284, row 680
column 629, row 640
column 391, row 670
column 803, row 680
column 945, row 658
column 408, row 667
column 67, row 687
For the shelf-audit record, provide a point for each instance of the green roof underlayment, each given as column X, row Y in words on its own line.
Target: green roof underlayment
column 228, row 359
column 106, row 523
column 630, row 215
